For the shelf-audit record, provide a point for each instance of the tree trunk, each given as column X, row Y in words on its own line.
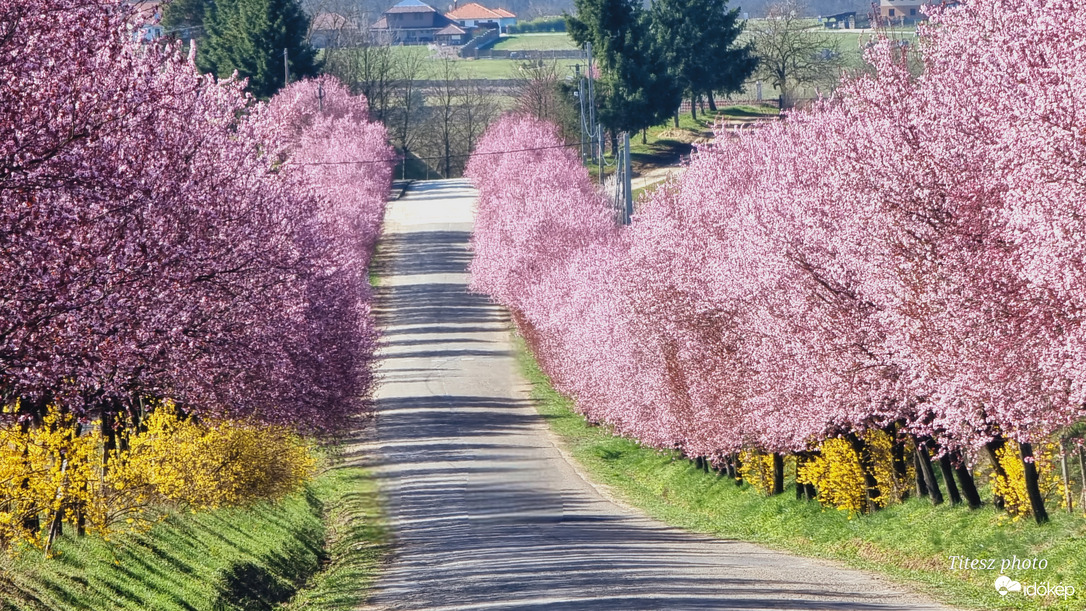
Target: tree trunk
column 1033, row 488
column 965, row 479
column 921, row 485
column 778, row 473
column 738, row 470
column 645, row 136
column 1066, row 479
column 929, row 475
column 800, row 459
column 676, row 118
column 712, row 102
column 867, row 466
column 993, row 448
column 948, row 480
column 694, row 107
column 900, row 459
column 1082, row 472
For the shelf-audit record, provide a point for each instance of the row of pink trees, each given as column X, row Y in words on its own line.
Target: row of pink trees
column 906, row 257
column 163, row 236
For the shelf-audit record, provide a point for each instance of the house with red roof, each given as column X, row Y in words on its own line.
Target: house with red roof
column 472, row 15
column 412, row 22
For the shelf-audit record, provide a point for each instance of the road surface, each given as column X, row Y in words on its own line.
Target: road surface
column 487, row 512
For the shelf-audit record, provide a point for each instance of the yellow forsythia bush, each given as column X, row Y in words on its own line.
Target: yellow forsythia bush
column 1013, row 487
column 757, row 470
column 207, row 466
column 58, row 472
column 838, row 476
column 44, row 470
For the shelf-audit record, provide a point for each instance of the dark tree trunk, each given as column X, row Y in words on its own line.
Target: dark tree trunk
column 965, row 479
column 738, row 470
column 778, row 473
column 712, row 102
column 948, row 480
column 1082, row 472
column 921, row 485
column 694, row 107
column 800, row 459
column 900, row 458
column 645, row 136
column 1067, row 497
column 929, row 475
column 1033, row 488
column 676, row 118
column 993, row 448
column 867, row 466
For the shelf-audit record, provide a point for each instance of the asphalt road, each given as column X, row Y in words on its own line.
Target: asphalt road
column 487, row 512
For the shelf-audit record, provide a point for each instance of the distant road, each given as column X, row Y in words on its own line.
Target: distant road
column 487, row 513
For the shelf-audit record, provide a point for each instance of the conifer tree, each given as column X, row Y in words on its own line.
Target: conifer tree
column 699, row 42
column 250, row 35
column 636, row 90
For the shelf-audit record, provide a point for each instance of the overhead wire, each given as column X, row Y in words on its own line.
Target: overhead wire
column 398, row 159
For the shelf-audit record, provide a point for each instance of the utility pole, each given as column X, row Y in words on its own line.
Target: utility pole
column 627, row 191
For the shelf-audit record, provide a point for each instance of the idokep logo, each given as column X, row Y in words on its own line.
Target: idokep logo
column 1005, row 584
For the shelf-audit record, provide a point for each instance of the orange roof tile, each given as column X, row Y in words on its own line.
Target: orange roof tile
column 477, row 11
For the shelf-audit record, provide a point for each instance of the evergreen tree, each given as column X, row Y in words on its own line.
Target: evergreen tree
column 184, row 19
column 698, row 38
column 636, row 90
column 250, row 35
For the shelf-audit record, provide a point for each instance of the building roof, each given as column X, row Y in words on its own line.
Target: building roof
column 332, row 21
column 477, row 11
column 450, row 30
column 439, row 21
column 411, row 6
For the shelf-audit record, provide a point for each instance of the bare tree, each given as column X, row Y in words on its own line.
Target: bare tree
column 459, row 110
column 541, row 92
column 480, row 107
column 793, row 52
column 369, row 67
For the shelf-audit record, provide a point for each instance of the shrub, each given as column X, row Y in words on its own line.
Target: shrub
column 1012, row 486
column 757, row 470
column 837, row 473
column 59, row 471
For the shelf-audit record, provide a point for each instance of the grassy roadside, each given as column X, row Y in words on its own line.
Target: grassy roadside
column 910, row 542
column 251, row 558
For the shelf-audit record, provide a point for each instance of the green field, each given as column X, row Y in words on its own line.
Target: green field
column 910, row 542
column 535, row 42
column 324, row 542
column 488, row 69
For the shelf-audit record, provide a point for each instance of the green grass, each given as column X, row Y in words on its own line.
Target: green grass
column 358, row 538
column 559, row 41
column 504, row 68
column 479, row 68
column 665, row 143
column 909, row 542
column 253, row 558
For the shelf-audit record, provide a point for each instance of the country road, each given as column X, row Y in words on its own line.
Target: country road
column 486, row 511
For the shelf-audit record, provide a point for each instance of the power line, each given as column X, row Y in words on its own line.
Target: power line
column 398, row 159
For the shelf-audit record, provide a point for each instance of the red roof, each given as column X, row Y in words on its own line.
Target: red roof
column 478, row 11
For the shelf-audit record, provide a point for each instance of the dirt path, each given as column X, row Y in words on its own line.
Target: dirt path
column 487, row 512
